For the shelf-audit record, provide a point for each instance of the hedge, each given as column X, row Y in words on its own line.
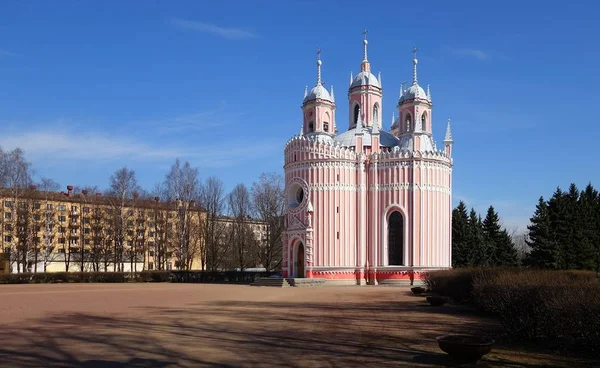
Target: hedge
column 234, row 277
column 558, row 306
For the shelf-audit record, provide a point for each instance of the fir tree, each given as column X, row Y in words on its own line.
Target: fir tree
column 476, row 242
column 501, row 248
column 544, row 251
column 586, row 230
column 460, row 234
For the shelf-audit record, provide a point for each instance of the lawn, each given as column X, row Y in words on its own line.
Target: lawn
column 199, row 325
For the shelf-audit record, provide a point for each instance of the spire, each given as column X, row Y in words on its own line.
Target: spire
column 365, row 43
column 305, row 91
column 402, row 89
column 375, row 129
column 351, row 78
column 332, row 94
column 415, row 61
column 393, row 117
column 448, row 138
column 379, row 78
column 428, row 93
column 319, row 62
column 359, row 122
column 301, row 130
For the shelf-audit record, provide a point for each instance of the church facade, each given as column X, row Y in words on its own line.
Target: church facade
column 368, row 205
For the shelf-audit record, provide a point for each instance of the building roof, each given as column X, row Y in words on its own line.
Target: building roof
column 365, row 78
column 348, row 138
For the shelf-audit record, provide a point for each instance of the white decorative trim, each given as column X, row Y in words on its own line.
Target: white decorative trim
column 301, row 206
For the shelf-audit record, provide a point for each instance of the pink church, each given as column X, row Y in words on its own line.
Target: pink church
column 367, row 206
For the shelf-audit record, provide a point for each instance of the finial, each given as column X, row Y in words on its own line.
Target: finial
column 301, row 130
column 365, row 43
column 393, row 117
column 351, row 78
column 402, row 89
column 415, row 61
column 319, row 62
column 332, row 94
column 359, row 121
column 428, row 93
column 305, row 91
column 379, row 78
column 448, row 138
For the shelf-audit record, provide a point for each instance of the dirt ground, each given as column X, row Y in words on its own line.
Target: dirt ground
column 193, row 325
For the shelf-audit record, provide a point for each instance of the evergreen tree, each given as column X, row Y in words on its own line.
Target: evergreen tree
column 586, row 230
column 544, row 251
column 501, row 249
column 460, row 235
column 476, row 242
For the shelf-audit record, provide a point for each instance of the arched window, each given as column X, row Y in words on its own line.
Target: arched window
column 408, row 122
column 375, row 113
column 424, row 121
column 356, row 110
column 395, row 239
column 311, row 127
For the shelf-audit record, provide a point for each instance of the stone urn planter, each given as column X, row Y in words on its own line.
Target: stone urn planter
column 417, row 290
column 465, row 348
column 437, row 300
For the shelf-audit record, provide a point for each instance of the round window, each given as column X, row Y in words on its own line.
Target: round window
column 296, row 195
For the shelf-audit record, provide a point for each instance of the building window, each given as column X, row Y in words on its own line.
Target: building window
column 7, row 238
column 62, row 230
column 424, row 122
column 8, row 204
column 37, row 206
column 150, row 266
column 8, row 227
column 62, row 207
column 86, row 210
column 169, row 266
column 8, row 215
column 6, row 249
column 49, row 206
column 356, row 111
column 326, row 126
column 61, row 240
column 338, row 234
column 86, row 230
column 62, row 218
column 37, row 217
column 151, row 253
column 311, row 127
column 22, row 205
column 375, row 113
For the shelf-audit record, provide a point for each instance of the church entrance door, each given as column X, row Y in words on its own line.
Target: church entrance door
column 395, row 239
column 300, row 261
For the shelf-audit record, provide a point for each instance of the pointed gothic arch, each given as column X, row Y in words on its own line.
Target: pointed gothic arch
column 408, row 122
column 395, row 239
column 356, row 112
column 375, row 113
column 424, row 121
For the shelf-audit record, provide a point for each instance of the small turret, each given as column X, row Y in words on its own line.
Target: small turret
column 448, row 141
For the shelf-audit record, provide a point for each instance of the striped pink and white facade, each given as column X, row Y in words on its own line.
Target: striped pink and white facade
column 343, row 189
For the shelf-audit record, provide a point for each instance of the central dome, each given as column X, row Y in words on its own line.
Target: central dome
column 365, row 78
column 318, row 92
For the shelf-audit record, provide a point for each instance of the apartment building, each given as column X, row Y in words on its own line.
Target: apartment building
column 65, row 231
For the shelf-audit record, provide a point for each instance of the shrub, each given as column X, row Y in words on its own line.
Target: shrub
column 562, row 306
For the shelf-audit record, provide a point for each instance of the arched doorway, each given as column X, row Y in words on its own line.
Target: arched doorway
column 395, row 239
column 300, row 261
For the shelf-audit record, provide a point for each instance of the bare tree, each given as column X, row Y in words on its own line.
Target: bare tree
column 519, row 240
column 181, row 185
column 240, row 206
column 47, row 188
column 213, row 248
column 15, row 175
column 123, row 184
column 269, row 205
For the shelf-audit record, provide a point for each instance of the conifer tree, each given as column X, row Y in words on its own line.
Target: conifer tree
column 544, row 251
column 476, row 242
column 501, row 248
column 586, row 230
column 460, row 235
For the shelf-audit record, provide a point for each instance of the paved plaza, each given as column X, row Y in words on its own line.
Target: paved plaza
column 193, row 325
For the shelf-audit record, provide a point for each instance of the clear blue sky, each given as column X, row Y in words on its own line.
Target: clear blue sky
column 86, row 87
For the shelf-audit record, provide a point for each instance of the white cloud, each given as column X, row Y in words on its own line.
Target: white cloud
column 469, row 53
column 4, row 53
column 225, row 32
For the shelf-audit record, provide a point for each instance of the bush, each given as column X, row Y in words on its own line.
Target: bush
column 233, row 277
column 562, row 306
